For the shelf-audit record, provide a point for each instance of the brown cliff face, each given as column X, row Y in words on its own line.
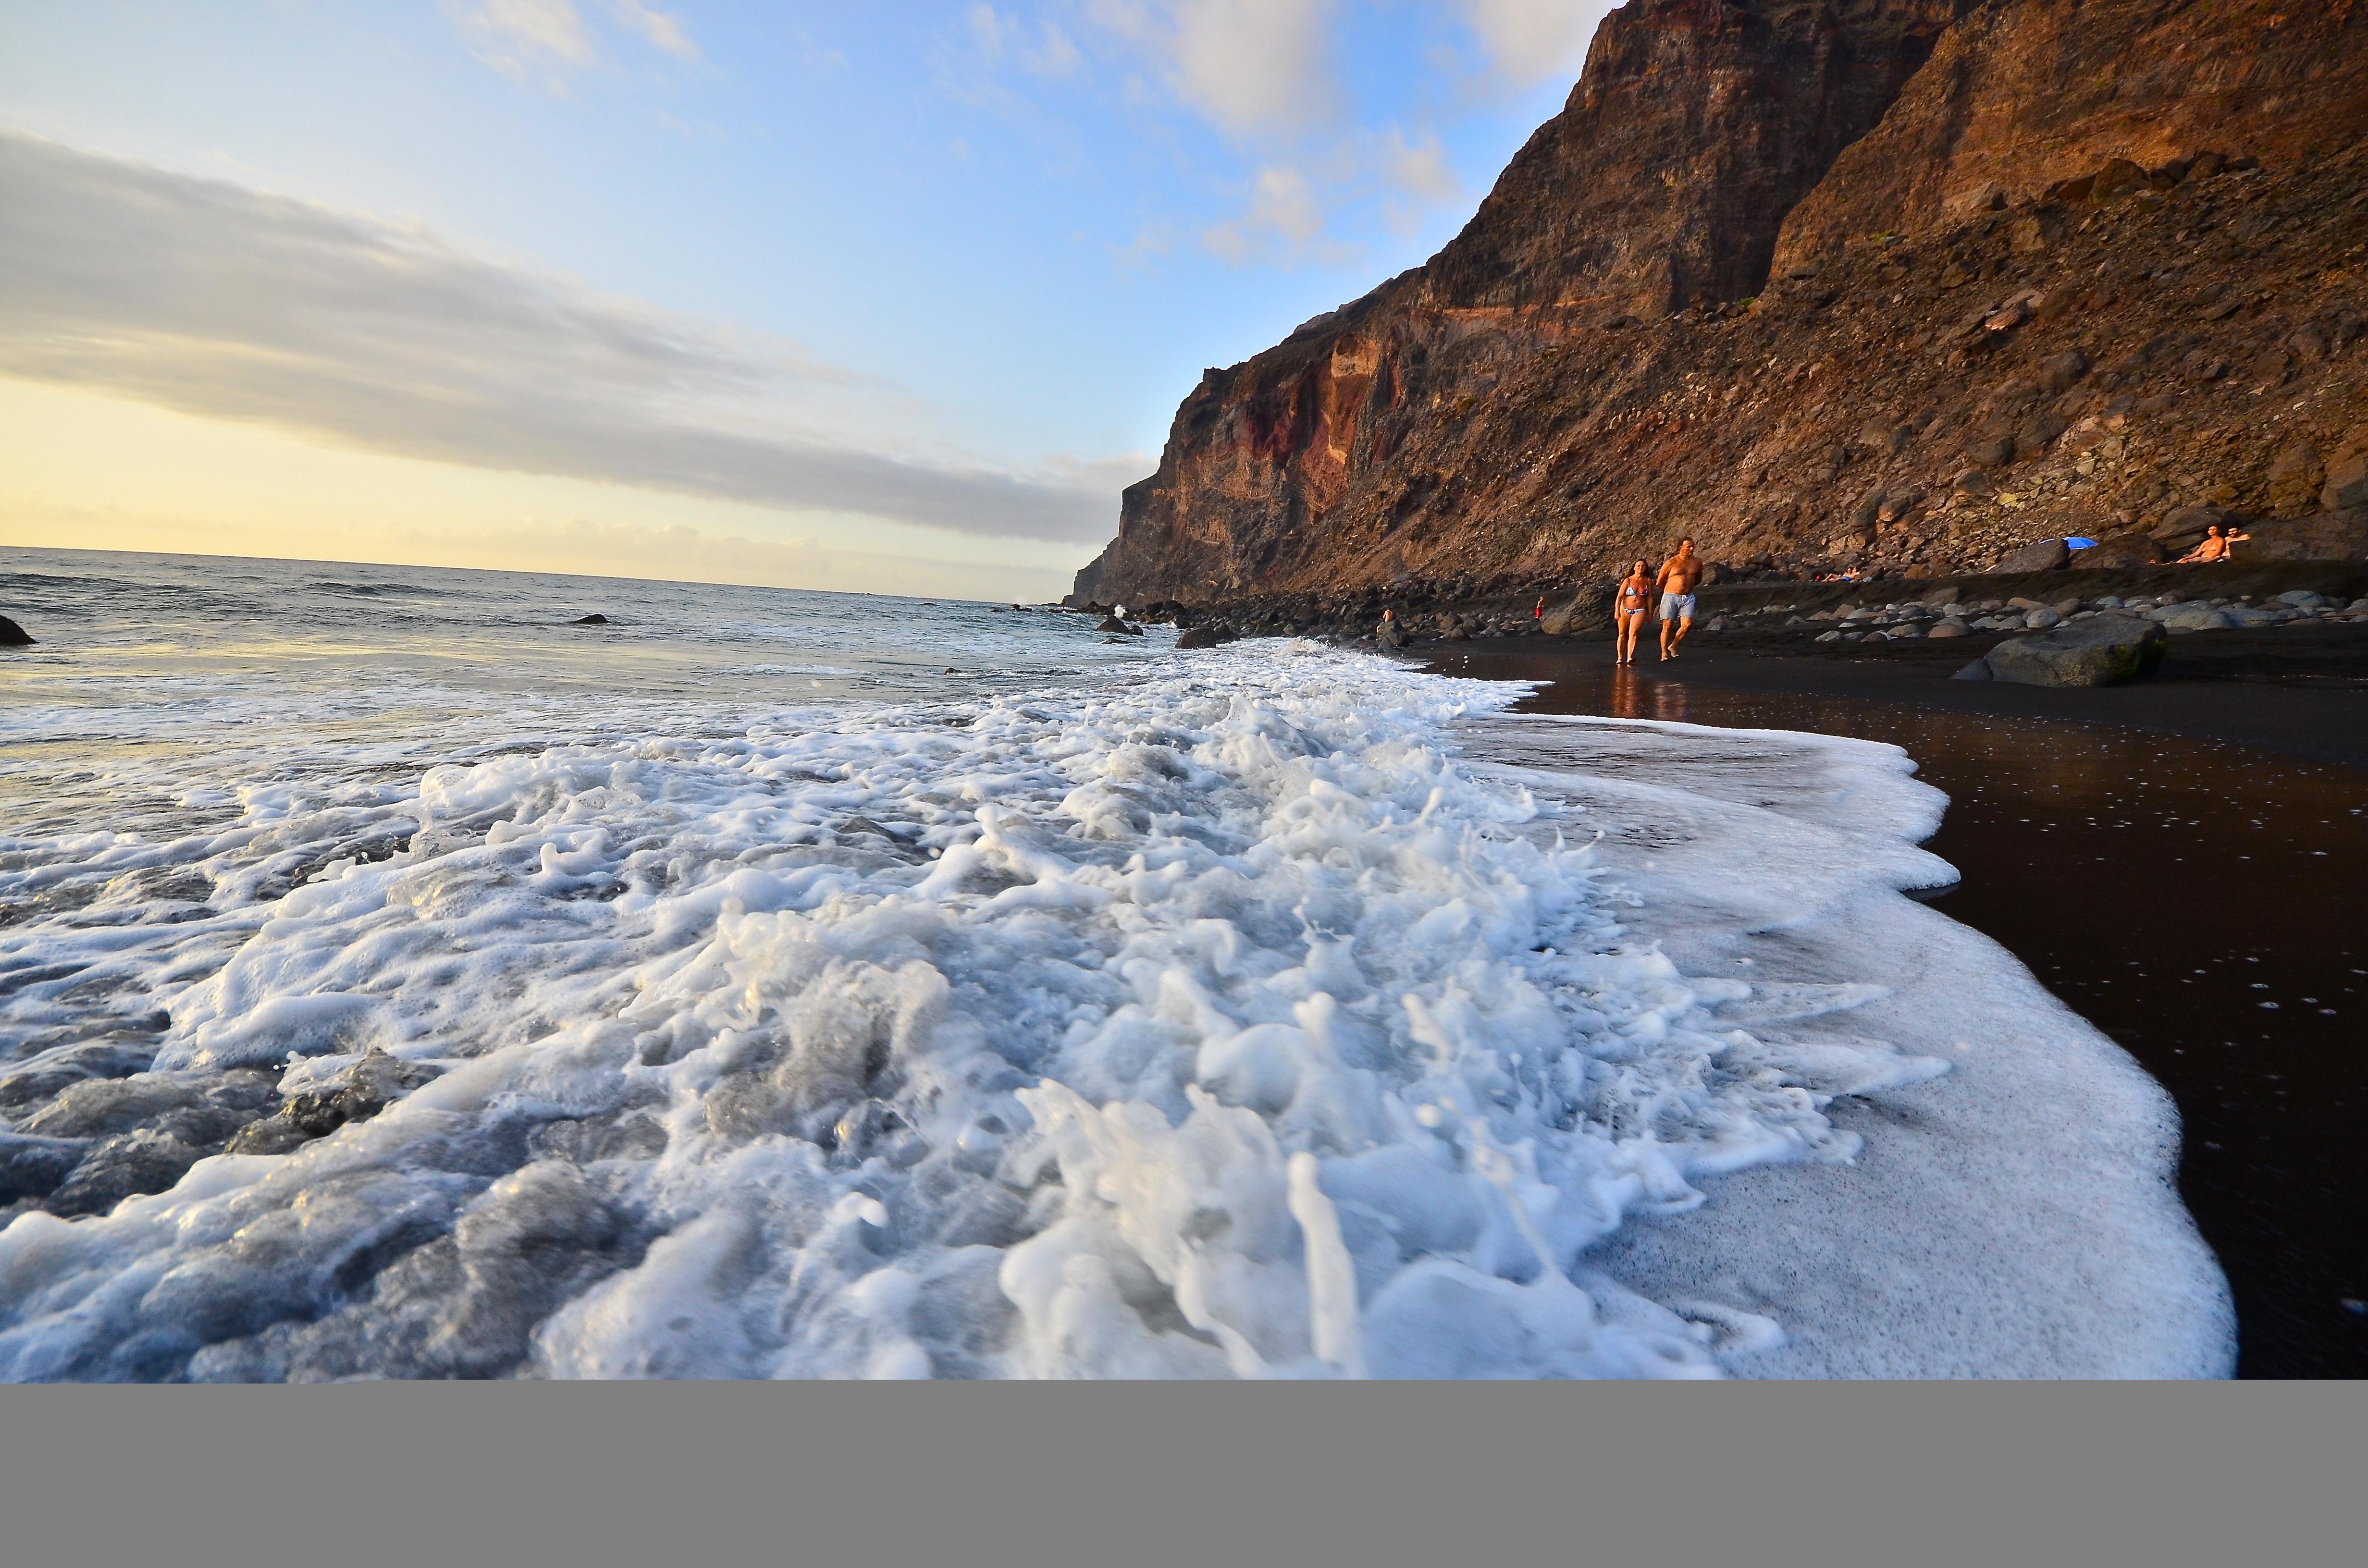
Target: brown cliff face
column 1696, row 126
column 2024, row 94
column 1947, row 364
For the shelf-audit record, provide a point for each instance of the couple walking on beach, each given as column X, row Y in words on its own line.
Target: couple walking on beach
column 1675, row 584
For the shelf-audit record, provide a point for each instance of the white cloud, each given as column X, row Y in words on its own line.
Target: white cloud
column 1283, row 216
column 219, row 300
column 1530, row 40
column 1418, row 167
column 522, row 37
column 512, row 33
column 1290, row 206
column 1248, row 67
column 1045, row 50
column 1416, row 178
column 662, row 28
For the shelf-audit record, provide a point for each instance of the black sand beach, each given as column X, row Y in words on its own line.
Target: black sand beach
column 2180, row 859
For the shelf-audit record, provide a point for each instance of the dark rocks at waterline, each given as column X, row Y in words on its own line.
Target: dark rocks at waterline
column 35, row 1167
column 1115, row 627
column 595, row 619
column 130, row 1135
column 129, row 1165
column 361, row 1092
column 1208, row 635
column 99, row 1139
column 44, row 1077
column 2106, row 650
column 13, row 635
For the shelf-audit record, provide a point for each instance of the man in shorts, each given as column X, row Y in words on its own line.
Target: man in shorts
column 1678, row 577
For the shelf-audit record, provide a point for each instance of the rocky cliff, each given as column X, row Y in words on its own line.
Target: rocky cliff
column 1901, row 284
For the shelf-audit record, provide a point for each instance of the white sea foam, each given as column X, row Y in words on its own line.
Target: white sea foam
column 1226, row 1018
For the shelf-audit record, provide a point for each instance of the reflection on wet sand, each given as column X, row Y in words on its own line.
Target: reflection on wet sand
column 2199, row 903
column 1632, row 696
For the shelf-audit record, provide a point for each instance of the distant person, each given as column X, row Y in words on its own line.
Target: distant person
column 1675, row 580
column 2217, row 545
column 1539, row 614
column 1629, row 608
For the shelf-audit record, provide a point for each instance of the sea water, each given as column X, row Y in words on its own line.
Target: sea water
column 800, row 984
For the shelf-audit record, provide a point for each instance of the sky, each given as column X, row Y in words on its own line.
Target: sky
column 893, row 297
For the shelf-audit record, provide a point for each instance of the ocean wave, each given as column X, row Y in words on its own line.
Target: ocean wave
column 1232, row 1018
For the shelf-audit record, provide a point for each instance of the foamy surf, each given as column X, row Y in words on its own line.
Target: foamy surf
column 1259, row 1013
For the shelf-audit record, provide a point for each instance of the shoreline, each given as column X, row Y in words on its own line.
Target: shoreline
column 2292, row 692
column 2177, row 870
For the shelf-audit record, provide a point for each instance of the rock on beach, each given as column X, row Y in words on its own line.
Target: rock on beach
column 13, row 635
column 2106, row 650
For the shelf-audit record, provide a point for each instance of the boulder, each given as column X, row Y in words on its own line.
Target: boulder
column 1390, row 635
column 1209, row 634
column 13, row 635
column 2347, row 483
column 2297, row 475
column 2034, row 434
column 1941, row 598
column 2105, row 651
column 2116, row 179
column 595, row 619
column 2045, row 556
column 2185, row 527
column 2195, row 618
column 1948, row 629
column 1111, row 623
column 1572, row 619
column 2058, row 372
column 2324, row 536
column 1979, row 670
column 2043, row 619
column 1992, row 452
column 1899, row 503
column 2107, row 555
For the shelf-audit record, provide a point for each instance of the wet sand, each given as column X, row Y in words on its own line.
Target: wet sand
column 2189, row 870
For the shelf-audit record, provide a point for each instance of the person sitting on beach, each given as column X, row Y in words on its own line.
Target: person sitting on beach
column 1628, row 609
column 1677, row 578
column 2216, row 546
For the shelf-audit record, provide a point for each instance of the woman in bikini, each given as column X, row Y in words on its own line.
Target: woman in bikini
column 1629, row 610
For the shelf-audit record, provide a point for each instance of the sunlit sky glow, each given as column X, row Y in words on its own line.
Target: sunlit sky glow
column 893, row 297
